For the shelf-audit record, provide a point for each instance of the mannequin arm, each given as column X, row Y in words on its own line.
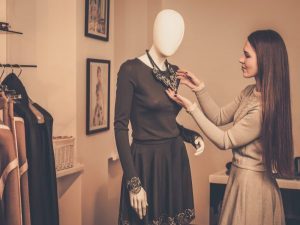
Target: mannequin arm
column 217, row 115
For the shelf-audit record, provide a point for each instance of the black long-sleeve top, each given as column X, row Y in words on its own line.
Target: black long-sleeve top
column 142, row 100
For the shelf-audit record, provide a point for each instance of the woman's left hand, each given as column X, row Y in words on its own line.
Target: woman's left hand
column 184, row 102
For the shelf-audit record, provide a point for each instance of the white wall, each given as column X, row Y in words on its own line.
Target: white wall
column 215, row 33
column 100, row 193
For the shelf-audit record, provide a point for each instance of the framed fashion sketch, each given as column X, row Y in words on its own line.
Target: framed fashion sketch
column 97, row 19
column 97, row 95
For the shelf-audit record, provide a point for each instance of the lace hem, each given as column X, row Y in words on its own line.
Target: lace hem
column 134, row 185
column 182, row 218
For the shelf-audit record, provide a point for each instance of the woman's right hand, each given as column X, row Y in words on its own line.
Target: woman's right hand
column 189, row 79
column 139, row 202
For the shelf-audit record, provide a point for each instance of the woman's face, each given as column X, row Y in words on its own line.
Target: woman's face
column 249, row 61
column 99, row 73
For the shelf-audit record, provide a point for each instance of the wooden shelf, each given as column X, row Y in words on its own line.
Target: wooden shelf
column 11, row 31
column 78, row 168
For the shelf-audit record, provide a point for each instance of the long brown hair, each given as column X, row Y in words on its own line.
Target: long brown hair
column 273, row 75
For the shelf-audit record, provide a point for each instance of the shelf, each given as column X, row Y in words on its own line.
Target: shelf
column 78, row 168
column 11, row 31
column 113, row 156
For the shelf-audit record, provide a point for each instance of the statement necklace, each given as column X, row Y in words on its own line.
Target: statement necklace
column 167, row 78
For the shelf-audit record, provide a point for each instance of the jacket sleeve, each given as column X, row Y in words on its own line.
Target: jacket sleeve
column 125, row 91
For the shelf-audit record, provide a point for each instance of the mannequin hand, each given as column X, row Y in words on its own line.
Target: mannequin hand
column 184, row 102
column 199, row 142
column 139, row 202
column 189, row 79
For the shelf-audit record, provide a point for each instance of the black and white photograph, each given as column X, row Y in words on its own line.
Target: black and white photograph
column 97, row 19
column 149, row 112
column 98, row 81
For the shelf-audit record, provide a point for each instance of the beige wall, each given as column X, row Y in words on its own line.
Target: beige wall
column 100, row 193
column 50, row 44
column 49, row 41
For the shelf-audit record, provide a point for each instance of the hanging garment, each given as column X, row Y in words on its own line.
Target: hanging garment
column 10, row 184
column 10, row 213
column 23, row 167
column 50, row 172
column 41, row 165
column 157, row 159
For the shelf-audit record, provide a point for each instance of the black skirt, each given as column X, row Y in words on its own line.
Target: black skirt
column 164, row 170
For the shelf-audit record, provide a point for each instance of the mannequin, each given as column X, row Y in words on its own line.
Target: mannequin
column 156, row 186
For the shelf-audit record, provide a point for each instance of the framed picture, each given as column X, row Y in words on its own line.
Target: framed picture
column 97, row 95
column 97, row 19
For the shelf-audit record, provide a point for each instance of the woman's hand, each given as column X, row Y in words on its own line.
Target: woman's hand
column 189, row 79
column 184, row 102
column 139, row 202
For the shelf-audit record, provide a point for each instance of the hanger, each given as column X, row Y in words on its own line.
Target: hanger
column 20, row 70
column 3, row 71
column 39, row 116
column 4, row 107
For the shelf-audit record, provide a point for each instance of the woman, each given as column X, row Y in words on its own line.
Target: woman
column 157, row 184
column 261, row 135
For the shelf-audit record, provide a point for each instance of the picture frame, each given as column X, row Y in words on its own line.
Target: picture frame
column 97, row 19
column 97, row 95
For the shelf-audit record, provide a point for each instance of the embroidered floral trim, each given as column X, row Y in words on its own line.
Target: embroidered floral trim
column 182, row 218
column 134, row 185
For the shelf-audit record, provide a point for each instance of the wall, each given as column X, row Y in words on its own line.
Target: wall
column 100, row 194
column 2, row 37
column 50, row 44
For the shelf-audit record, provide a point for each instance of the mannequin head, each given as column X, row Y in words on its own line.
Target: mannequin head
column 168, row 32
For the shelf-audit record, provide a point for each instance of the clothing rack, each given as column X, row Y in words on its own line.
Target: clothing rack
column 17, row 65
column 4, row 27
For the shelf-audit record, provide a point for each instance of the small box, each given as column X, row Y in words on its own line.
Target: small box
column 64, row 152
